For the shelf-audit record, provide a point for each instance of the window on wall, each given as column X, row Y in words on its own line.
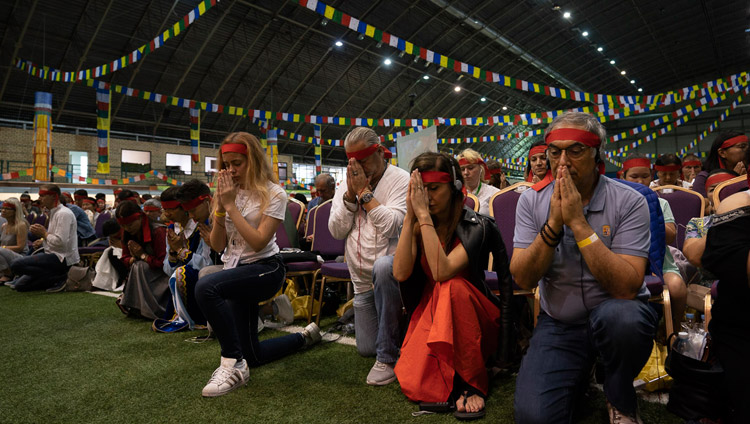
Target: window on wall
column 282, row 171
column 179, row 162
column 211, row 164
column 305, row 173
column 135, row 160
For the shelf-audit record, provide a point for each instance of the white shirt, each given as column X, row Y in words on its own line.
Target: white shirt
column 484, row 195
column 249, row 206
column 62, row 235
column 680, row 183
column 370, row 235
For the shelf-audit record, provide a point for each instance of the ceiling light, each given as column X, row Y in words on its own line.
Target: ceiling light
column 387, row 62
column 555, row 6
column 361, row 37
column 600, row 49
column 612, row 62
column 566, row 15
column 401, row 54
column 632, row 81
column 505, row 107
column 339, row 43
column 585, row 33
column 640, row 90
column 324, row 22
column 379, row 45
column 426, row 77
column 483, row 99
column 622, row 72
column 456, row 89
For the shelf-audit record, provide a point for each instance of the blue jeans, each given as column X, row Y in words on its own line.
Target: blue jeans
column 39, row 272
column 229, row 300
column 557, row 366
column 377, row 313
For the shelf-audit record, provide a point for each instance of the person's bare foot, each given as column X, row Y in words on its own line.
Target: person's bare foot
column 474, row 403
column 5, row 278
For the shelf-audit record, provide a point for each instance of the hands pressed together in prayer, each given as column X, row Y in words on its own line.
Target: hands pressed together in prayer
column 417, row 202
column 226, row 190
column 566, row 207
column 356, row 180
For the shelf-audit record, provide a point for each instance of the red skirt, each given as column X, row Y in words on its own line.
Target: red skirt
column 454, row 329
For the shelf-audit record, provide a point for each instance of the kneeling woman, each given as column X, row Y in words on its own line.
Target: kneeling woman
column 249, row 206
column 454, row 328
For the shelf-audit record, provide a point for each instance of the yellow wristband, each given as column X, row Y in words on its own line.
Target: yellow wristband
column 220, row 214
column 587, row 241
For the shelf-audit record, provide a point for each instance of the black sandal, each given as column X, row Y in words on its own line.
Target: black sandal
column 467, row 416
column 437, row 407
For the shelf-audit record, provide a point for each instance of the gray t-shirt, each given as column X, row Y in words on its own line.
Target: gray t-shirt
column 620, row 217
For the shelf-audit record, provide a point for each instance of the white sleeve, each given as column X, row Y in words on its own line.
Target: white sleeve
column 64, row 222
column 276, row 204
column 341, row 220
column 389, row 215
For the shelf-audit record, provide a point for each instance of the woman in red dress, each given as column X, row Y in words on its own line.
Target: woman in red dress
column 455, row 325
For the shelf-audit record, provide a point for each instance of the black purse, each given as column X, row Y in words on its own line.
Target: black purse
column 696, row 389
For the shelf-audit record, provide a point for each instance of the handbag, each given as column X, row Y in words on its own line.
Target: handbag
column 696, row 389
column 79, row 278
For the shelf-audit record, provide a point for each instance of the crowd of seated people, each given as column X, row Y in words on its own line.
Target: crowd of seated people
column 193, row 259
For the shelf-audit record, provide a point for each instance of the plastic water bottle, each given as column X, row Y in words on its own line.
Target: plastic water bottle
column 681, row 345
column 689, row 323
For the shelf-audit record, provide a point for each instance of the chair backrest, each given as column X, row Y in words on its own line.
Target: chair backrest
column 728, row 188
column 99, row 225
column 503, row 209
column 286, row 233
column 42, row 219
column 656, row 227
column 471, row 202
column 295, row 208
column 685, row 204
column 323, row 240
column 282, row 239
column 310, row 223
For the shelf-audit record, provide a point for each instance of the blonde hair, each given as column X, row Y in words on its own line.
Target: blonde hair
column 258, row 172
column 473, row 156
column 20, row 219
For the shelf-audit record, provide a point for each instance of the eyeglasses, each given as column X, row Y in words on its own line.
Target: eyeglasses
column 575, row 151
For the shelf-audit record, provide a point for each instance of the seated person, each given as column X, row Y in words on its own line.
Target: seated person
column 637, row 169
column 152, row 209
column 49, row 270
column 189, row 251
column 101, row 203
column 497, row 175
column 249, row 207
column 444, row 352
column 668, row 171
column 475, row 172
column 584, row 239
column 110, row 271
column 13, row 235
column 691, row 166
column 146, row 291
column 726, row 152
column 126, row 194
column 85, row 230
column 727, row 255
column 537, row 165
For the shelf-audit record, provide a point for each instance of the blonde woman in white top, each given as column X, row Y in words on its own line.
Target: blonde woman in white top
column 249, row 206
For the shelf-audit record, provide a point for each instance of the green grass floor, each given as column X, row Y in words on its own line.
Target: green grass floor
column 74, row 358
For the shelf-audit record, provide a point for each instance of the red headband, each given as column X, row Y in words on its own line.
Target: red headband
column 87, row 200
column 495, row 171
column 9, row 205
column 145, row 228
column 132, row 199
column 188, row 206
column 718, row 178
column 47, row 192
column 636, row 163
column 151, row 208
column 582, row 136
column 732, row 141
column 170, row 204
column 536, row 150
column 80, row 197
column 691, row 163
column 367, row 151
column 234, row 148
column 480, row 161
column 435, row 177
column 667, row 168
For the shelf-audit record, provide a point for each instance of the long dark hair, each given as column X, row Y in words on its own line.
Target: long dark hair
column 443, row 162
column 713, row 161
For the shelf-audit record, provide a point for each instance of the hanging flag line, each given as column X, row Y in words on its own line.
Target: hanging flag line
column 134, row 56
column 670, row 97
column 122, row 181
column 601, row 111
column 29, row 172
column 711, row 128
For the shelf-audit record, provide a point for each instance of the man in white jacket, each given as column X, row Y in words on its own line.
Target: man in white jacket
column 369, row 214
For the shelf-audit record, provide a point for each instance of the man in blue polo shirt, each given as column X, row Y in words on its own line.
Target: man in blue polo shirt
column 584, row 239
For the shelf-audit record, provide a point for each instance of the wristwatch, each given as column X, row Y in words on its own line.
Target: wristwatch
column 365, row 198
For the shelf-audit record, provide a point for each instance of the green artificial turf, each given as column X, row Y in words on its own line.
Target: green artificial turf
column 74, row 358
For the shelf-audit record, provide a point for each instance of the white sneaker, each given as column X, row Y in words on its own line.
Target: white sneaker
column 226, row 378
column 381, row 374
column 311, row 333
column 284, row 310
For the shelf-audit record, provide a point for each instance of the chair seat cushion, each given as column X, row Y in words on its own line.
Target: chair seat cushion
column 654, row 285
column 490, row 277
column 335, row 270
column 302, row 266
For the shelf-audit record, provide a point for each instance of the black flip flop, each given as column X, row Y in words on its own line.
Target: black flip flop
column 468, row 416
column 437, row 407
